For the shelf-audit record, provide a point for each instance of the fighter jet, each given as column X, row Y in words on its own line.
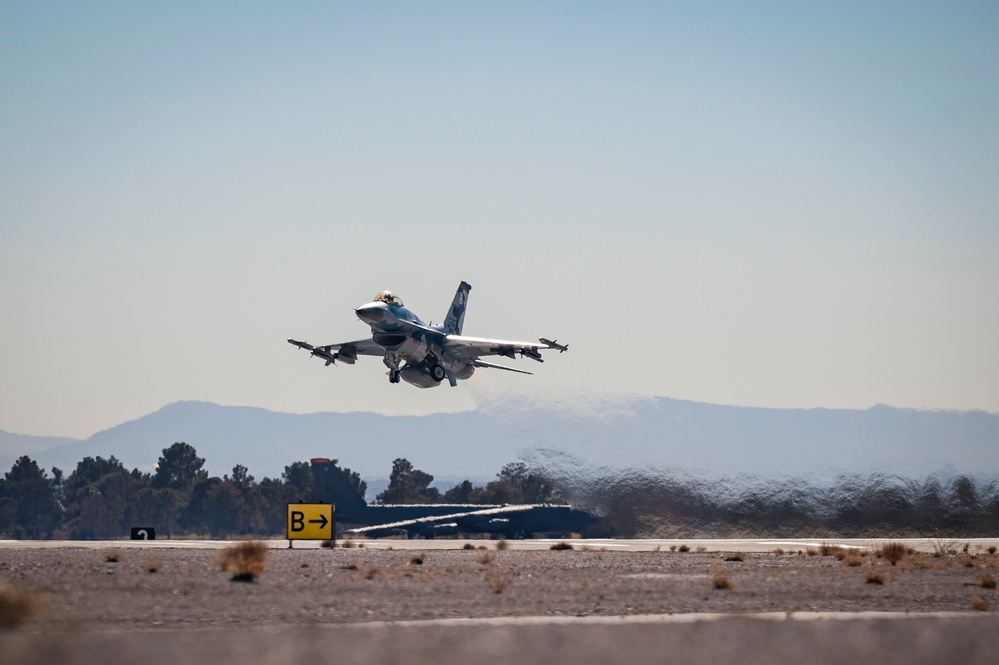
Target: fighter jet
column 420, row 354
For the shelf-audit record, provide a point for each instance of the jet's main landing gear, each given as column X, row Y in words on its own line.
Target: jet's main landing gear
column 437, row 372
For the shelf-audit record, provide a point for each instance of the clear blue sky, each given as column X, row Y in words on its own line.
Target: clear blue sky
column 770, row 204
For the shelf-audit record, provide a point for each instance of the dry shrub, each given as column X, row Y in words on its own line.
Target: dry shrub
column 246, row 560
column 17, row 606
column 672, row 548
column 371, row 573
column 852, row 561
column 841, row 553
column 874, row 576
column 485, row 558
column 468, row 546
column 112, row 556
column 700, row 549
column 304, row 564
column 329, row 544
column 827, row 549
column 561, row 545
column 779, row 552
column 497, row 582
column 350, row 566
column 893, row 552
column 501, row 544
column 991, row 550
column 988, row 581
column 719, row 579
column 153, row 565
column 684, row 548
column 654, row 549
column 418, row 559
column 811, row 551
column 978, row 603
column 735, row 556
column 347, row 543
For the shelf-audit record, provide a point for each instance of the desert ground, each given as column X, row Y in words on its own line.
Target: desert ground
column 413, row 605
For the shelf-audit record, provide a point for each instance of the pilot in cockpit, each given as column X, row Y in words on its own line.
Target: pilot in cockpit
column 389, row 298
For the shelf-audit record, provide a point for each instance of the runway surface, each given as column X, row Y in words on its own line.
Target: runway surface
column 605, row 544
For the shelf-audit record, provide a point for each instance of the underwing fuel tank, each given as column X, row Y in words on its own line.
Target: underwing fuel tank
column 417, row 377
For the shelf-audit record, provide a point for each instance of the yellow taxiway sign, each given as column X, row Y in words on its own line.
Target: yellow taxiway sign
column 310, row 521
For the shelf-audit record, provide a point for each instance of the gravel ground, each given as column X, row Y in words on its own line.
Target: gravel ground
column 189, row 588
column 311, row 601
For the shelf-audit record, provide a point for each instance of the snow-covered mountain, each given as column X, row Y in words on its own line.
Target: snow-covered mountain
column 652, row 432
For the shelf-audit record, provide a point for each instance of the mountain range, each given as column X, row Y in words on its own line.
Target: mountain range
column 609, row 435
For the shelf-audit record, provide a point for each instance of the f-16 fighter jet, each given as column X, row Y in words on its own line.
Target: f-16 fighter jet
column 420, row 354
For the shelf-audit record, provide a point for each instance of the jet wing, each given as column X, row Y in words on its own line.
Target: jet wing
column 346, row 352
column 471, row 348
column 468, row 517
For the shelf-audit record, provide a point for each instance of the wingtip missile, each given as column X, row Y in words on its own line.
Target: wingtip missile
column 553, row 344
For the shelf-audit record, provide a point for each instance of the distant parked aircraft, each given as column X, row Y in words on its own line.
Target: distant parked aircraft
column 420, row 354
column 444, row 519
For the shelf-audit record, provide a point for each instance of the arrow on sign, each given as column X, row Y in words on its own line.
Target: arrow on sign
column 322, row 521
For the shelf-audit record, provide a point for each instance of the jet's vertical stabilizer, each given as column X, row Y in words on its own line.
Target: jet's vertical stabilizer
column 333, row 486
column 456, row 315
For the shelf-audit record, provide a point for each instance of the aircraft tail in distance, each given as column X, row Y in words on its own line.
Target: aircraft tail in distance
column 333, row 486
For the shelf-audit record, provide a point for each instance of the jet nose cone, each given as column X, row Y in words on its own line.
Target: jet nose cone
column 373, row 312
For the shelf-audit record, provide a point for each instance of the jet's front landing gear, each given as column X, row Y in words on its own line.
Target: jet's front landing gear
column 394, row 376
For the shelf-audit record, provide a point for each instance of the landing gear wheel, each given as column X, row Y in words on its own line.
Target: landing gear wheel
column 437, row 373
column 394, row 376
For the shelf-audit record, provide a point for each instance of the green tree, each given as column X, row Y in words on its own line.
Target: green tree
column 31, row 508
column 408, row 485
column 179, row 468
column 299, row 483
column 159, row 508
column 460, row 493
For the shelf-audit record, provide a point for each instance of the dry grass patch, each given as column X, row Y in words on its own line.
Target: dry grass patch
column 684, row 548
column 246, row 560
column 893, row 552
column 468, row 546
column 735, row 556
column 561, row 545
column 497, row 583
column 874, row 576
column 719, row 579
column 978, row 603
column 501, row 544
column 112, row 556
column 153, row 565
column 852, row 561
column 485, row 558
column 17, row 606
column 350, row 566
column 418, row 559
column 371, row 573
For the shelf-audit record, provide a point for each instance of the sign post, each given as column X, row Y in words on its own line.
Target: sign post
column 310, row 521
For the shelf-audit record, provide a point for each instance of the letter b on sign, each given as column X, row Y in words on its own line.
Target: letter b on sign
column 297, row 521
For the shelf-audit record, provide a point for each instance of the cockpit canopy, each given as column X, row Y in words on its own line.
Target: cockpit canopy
column 389, row 298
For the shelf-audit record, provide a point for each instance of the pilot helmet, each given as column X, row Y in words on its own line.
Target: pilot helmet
column 389, row 298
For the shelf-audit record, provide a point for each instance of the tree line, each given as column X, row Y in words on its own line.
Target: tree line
column 102, row 499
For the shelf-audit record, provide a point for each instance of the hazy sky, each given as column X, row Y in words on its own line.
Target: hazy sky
column 771, row 204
